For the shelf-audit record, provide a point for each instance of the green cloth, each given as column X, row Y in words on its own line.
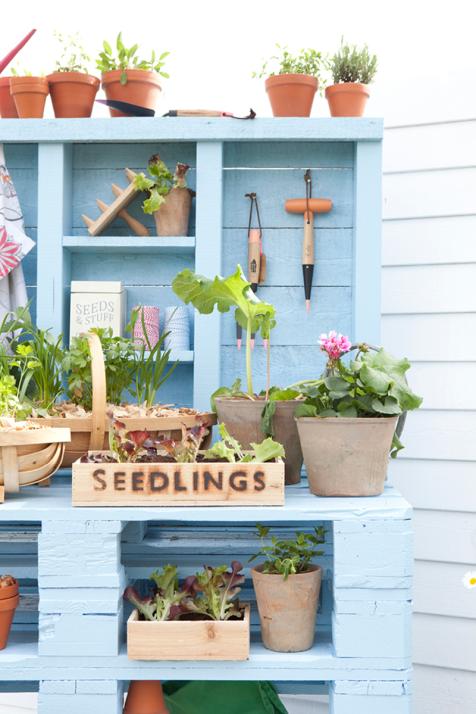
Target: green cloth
column 222, row 697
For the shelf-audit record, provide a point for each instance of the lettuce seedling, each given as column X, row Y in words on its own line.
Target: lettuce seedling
column 214, row 591
column 166, row 603
column 230, row 449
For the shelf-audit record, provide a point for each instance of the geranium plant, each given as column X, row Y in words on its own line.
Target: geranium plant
column 124, row 58
column 288, row 556
column 160, row 183
column 373, row 384
column 210, row 594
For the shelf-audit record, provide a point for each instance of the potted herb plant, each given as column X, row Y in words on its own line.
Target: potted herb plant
column 353, row 70
column 347, row 423
column 127, row 78
column 139, row 470
column 248, row 416
column 169, row 199
column 9, row 599
column 287, row 587
column 73, row 90
column 29, row 94
column 292, row 81
column 200, row 620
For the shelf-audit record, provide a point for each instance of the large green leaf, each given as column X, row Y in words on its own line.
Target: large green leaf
column 374, row 379
column 268, row 450
column 223, row 294
column 395, row 370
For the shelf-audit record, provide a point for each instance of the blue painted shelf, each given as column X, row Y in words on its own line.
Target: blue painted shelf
column 130, row 244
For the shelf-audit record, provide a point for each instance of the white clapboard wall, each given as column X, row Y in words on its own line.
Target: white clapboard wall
column 429, row 315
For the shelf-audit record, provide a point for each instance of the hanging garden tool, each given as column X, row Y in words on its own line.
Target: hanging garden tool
column 256, row 257
column 308, row 206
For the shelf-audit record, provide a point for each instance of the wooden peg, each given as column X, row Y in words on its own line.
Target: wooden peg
column 88, row 221
column 130, row 174
column 103, row 206
column 136, row 226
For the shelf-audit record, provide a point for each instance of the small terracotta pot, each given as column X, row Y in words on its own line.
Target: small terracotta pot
column 29, row 94
column 346, row 457
column 347, row 99
column 242, row 418
column 287, row 608
column 9, row 599
column 8, row 109
column 142, row 88
column 291, row 95
column 145, row 697
column 72, row 93
column 173, row 216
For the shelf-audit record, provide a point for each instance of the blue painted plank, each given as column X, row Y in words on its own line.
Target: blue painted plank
column 367, row 242
column 288, row 155
column 146, row 268
column 133, row 155
column 208, row 258
column 118, row 245
column 22, row 156
column 180, row 129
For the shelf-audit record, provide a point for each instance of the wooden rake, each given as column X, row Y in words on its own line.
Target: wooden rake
column 117, row 208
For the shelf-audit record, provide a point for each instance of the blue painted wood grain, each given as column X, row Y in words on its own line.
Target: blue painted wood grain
column 289, row 154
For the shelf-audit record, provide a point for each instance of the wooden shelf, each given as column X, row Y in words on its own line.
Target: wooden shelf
column 130, row 244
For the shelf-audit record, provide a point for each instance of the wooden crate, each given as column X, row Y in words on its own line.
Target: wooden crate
column 189, row 640
column 171, row 484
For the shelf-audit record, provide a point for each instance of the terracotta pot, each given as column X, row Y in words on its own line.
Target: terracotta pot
column 173, row 216
column 9, row 600
column 346, row 457
column 142, row 88
column 8, row 109
column 242, row 418
column 72, row 93
column 145, row 697
column 291, row 95
column 29, row 94
column 287, row 608
column 347, row 99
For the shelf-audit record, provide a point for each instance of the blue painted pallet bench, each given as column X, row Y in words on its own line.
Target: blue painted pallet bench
column 362, row 646
column 69, row 642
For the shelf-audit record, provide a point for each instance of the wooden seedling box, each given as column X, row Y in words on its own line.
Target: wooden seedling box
column 189, row 640
column 178, row 484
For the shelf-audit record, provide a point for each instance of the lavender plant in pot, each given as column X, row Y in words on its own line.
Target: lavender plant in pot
column 348, row 422
column 287, row 587
column 353, row 70
column 247, row 415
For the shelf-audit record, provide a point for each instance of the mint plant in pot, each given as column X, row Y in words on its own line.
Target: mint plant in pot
column 287, row 586
column 292, row 81
column 353, row 70
column 73, row 90
column 169, row 200
column 348, row 422
column 248, row 416
column 127, row 78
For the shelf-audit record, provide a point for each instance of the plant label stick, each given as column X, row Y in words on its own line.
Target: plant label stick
column 308, row 206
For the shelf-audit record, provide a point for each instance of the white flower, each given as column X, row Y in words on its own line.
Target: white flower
column 469, row 579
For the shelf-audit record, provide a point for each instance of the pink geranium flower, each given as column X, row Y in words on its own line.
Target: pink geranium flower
column 334, row 344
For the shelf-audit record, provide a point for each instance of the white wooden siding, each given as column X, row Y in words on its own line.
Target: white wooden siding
column 429, row 315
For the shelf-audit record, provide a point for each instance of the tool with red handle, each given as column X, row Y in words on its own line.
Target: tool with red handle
column 8, row 58
column 308, row 206
column 256, row 258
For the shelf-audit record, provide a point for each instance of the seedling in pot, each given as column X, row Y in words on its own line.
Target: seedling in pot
column 161, row 183
column 124, row 58
column 288, row 556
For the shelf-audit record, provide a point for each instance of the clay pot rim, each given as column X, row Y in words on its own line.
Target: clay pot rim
column 313, row 568
column 9, row 591
column 5, row 80
column 224, row 398
column 28, row 79
column 10, row 603
column 144, row 75
column 346, row 420
column 291, row 78
column 79, row 77
column 347, row 88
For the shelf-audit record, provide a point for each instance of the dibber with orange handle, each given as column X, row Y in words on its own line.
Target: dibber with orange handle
column 308, row 207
